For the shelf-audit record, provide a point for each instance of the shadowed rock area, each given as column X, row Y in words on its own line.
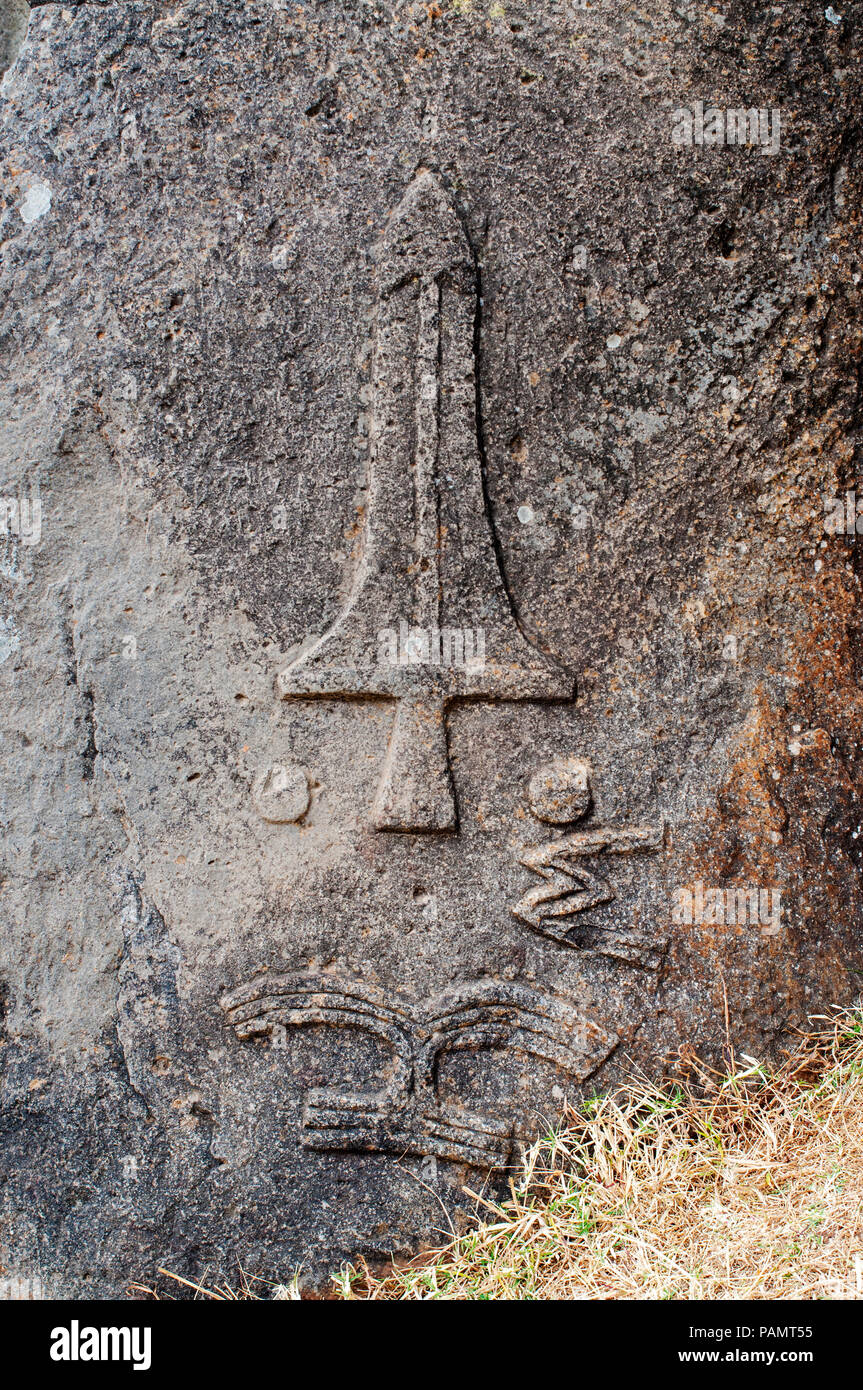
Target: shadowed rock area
column 429, row 643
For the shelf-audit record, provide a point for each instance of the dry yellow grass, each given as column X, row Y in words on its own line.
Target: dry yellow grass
column 746, row 1186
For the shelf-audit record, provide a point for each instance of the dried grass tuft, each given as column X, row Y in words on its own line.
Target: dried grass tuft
column 740, row 1186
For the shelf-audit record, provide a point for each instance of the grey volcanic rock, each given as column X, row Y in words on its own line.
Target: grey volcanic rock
column 417, row 603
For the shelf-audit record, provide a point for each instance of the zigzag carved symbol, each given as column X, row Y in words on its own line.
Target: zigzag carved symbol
column 408, row 1115
column 569, row 889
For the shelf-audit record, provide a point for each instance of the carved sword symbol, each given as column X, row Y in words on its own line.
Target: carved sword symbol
column 428, row 558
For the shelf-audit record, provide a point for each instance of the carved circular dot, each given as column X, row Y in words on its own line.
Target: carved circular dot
column 559, row 791
column 281, row 793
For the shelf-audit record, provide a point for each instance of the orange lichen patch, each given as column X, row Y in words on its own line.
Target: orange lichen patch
column 822, row 698
column 787, row 805
column 822, row 660
column 748, row 801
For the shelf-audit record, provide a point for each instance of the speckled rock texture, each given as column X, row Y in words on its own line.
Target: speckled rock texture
column 305, row 305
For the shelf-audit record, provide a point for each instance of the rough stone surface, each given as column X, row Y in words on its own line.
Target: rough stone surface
column 322, row 318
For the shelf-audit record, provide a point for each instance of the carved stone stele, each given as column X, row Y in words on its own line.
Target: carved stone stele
column 380, row 373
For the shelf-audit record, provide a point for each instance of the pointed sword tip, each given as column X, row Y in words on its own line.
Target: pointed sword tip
column 423, row 236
